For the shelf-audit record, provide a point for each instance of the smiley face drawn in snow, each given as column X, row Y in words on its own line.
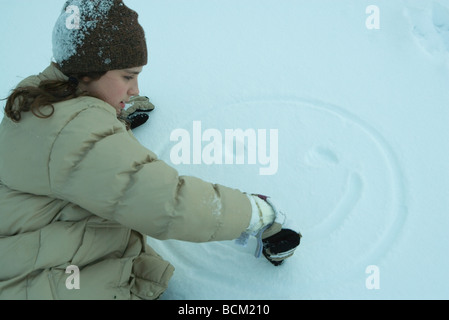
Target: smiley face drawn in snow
column 338, row 180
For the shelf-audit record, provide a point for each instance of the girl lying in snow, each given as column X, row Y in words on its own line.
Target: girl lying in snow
column 76, row 187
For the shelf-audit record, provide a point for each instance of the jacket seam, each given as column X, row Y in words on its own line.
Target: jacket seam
column 57, row 137
column 52, row 146
column 218, row 216
column 126, row 187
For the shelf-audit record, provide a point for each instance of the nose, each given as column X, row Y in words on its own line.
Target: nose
column 134, row 90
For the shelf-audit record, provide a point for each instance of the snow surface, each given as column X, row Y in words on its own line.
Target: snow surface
column 362, row 120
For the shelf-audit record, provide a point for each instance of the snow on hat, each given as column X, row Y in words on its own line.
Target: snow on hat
column 97, row 36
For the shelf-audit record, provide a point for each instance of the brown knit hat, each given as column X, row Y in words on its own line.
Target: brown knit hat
column 97, row 36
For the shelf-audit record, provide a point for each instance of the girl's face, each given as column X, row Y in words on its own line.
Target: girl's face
column 115, row 87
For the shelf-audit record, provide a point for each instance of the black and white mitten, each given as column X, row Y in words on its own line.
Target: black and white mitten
column 136, row 113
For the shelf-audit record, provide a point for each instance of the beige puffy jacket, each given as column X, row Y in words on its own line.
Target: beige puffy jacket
column 78, row 189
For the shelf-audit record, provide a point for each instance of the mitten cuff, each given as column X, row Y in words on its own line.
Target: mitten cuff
column 262, row 214
column 262, row 217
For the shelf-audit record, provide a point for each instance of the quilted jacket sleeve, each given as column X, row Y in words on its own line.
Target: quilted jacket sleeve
column 96, row 164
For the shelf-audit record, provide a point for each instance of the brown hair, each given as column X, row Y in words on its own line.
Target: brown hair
column 30, row 98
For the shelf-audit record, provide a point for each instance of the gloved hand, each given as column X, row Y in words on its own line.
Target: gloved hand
column 133, row 113
column 280, row 246
column 275, row 242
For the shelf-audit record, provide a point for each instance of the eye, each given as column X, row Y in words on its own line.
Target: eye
column 128, row 78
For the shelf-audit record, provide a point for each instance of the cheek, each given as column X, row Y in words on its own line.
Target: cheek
column 110, row 91
column 116, row 90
